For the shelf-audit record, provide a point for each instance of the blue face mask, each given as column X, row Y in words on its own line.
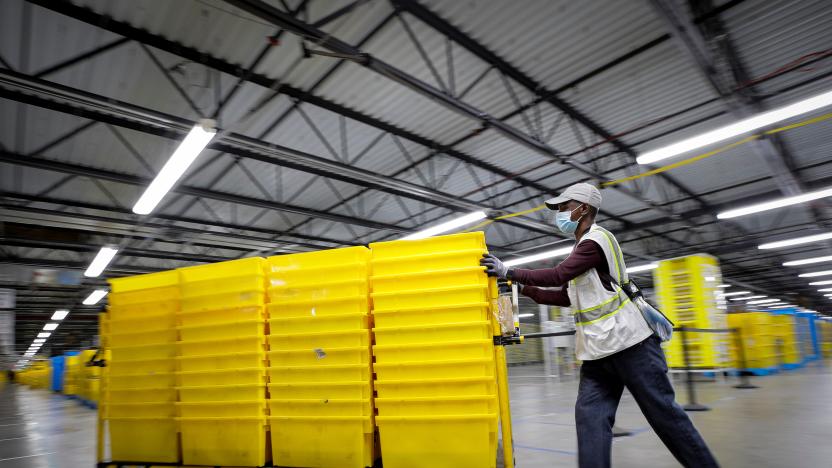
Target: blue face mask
column 563, row 220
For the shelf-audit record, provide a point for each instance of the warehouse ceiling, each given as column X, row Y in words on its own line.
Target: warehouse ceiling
column 348, row 122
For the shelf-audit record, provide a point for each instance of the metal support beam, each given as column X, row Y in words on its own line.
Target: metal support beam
column 92, row 248
column 236, row 232
column 67, row 168
column 28, row 90
column 81, row 57
column 88, row 16
column 308, row 32
column 699, row 50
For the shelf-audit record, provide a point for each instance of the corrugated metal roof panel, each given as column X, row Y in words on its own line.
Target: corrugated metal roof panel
column 202, row 24
column 541, row 37
column 27, row 180
column 782, row 32
column 654, row 84
column 371, row 93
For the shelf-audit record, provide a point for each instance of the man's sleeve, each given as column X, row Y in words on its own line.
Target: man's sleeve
column 584, row 257
column 547, row 296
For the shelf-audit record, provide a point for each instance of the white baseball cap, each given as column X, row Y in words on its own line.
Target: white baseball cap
column 582, row 192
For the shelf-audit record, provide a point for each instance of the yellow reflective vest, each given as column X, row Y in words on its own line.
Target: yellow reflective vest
column 605, row 321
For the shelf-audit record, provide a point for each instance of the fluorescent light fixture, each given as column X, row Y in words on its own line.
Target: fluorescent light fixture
column 39, row 340
column 95, row 296
column 710, row 279
column 815, row 273
column 745, row 298
column 44, row 335
column 50, row 326
column 808, row 261
column 29, row 354
column 821, row 283
column 724, row 286
column 645, row 267
column 787, row 306
column 540, row 256
column 738, row 293
column 763, row 301
column 824, row 289
column 796, row 241
column 738, row 128
column 525, row 315
column 179, row 162
column 100, row 262
column 774, row 204
column 60, row 314
column 448, row 226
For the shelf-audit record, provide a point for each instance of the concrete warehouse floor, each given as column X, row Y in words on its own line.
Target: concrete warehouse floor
column 784, row 423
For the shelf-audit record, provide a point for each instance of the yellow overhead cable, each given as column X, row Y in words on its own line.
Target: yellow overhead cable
column 681, row 163
column 668, row 167
column 510, row 215
column 700, row 157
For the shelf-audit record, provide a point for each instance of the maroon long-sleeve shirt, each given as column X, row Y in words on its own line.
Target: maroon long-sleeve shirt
column 585, row 256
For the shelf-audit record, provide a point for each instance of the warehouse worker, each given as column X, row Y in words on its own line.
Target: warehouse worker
column 617, row 347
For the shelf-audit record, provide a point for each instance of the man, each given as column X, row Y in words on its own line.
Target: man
column 617, row 347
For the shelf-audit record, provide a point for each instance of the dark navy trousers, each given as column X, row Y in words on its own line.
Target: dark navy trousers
column 643, row 370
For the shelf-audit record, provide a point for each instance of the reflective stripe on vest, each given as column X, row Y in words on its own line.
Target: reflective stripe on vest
column 617, row 256
column 606, row 309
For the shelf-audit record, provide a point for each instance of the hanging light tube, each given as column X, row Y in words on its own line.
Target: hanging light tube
column 724, row 286
column 738, row 128
column 745, row 298
column 821, row 283
column 100, row 262
column 95, row 296
column 763, row 301
column 808, row 261
column 540, row 256
column 447, row 226
column 815, row 273
column 796, row 241
column 50, row 326
column 60, row 314
column 197, row 139
column 645, row 267
column 737, row 293
column 774, row 204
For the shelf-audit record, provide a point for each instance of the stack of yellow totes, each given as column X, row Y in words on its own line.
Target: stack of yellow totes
column 784, row 331
column 319, row 357
column 72, row 375
column 434, row 354
column 221, row 361
column 758, row 341
column 139, row 401
column 89, row 377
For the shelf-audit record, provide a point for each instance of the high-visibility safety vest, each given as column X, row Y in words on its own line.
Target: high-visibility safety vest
column 605, row 321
